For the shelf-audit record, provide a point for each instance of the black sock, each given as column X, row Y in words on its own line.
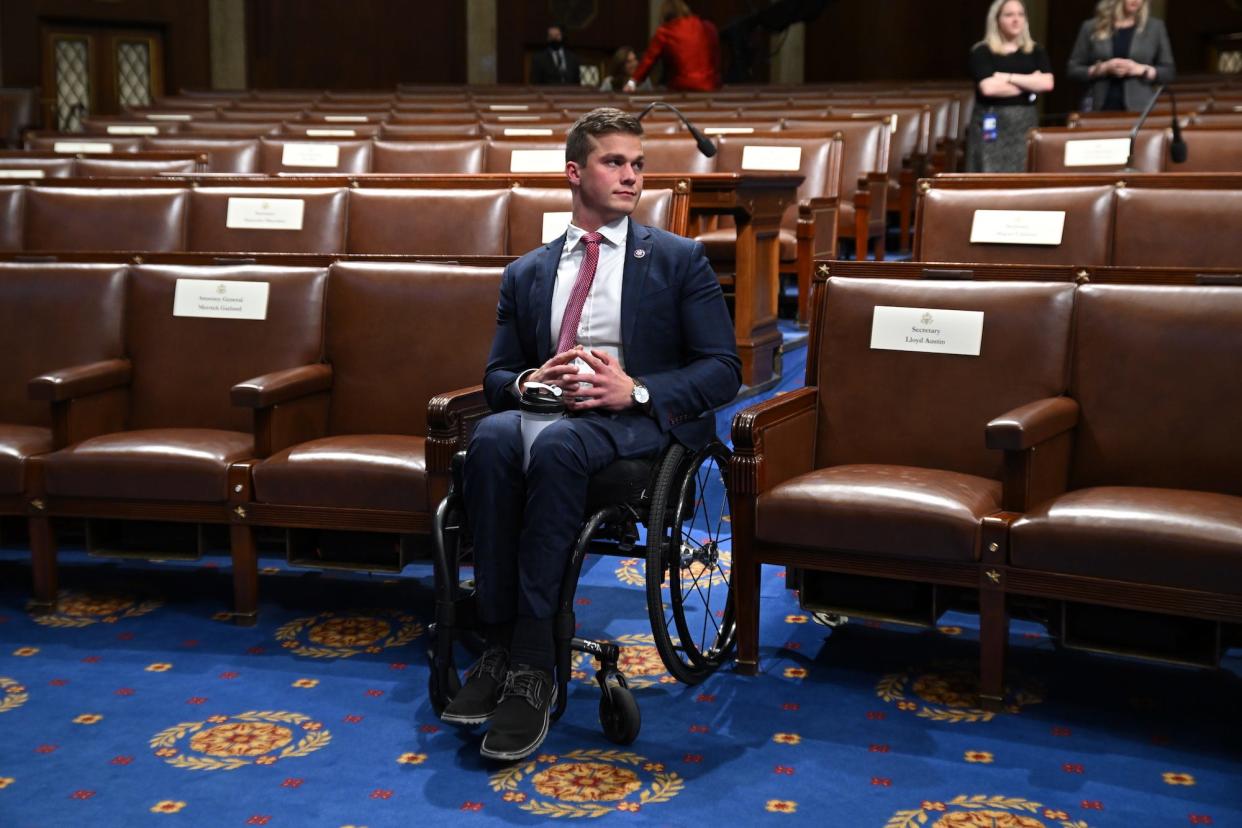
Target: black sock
column 498, row 635
column 533, row 644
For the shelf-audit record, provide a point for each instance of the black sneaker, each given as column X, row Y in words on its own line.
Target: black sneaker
column 521, row 721
column 476, row 701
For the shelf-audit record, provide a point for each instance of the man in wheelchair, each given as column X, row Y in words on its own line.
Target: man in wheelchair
column 630, row 323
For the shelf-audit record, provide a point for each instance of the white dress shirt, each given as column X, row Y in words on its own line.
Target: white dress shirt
column 599, row 327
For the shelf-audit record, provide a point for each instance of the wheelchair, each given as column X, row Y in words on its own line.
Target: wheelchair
column 681, row 499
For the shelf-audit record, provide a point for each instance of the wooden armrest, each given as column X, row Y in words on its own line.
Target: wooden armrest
column 79, row 380
column 774, row 441
column 451, row 418
column 1031, row 424
column 282, row 386
column 817, row 220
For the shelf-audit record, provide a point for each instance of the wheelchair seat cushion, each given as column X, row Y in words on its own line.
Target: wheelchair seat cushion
column 623, row 482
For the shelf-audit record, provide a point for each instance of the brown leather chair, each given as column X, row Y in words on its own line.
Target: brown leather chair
column 430, row 156
column 321, row 129
column 160, row 429
column 112, row 125
column 122, row 168
column 12, row 217
column 1141, row 502
column 946, row 214
column 73, row 143
column 224, row 155
column 1177, row 228
column 500, row 152
column 875, row 479
column 1046, row 149
column 426, row 222
column 106, row 218
column 352, row 156
column 1211, row 149
column 36, row 299
column 232, row 129
column 322, row 228
column 528, row 205
column 676, row 154
column 396, row 131
column 16, row 163
column 399, row 339
column 550, row 128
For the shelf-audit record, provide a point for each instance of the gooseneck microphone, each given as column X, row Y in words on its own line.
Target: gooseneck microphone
column 1177, row 149
column 705, row 144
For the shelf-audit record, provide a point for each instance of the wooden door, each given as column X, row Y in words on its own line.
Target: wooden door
column 98, row 70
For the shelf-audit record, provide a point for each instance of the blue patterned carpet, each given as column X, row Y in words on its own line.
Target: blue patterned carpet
column 138, row 705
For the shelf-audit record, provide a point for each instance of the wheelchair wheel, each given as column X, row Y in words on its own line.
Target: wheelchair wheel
column 618, row 711
column 689, row 534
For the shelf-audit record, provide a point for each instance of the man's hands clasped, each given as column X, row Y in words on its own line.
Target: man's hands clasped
column 609, row 388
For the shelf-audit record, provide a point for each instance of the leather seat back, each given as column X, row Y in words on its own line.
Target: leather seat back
column 428, row 221
column 183, row 366
column 106, row 218
column 321, row 230
column 122, row 168
column 429, row 156
column 1155, row 372
column 927, row 409
column 54, row 316
column 224, row 155
column 1156, row 227
column 818, row 159
column 1046, row 150
column 398, row 334
column 12, row 217
column 675, row 155
column 501, row 155
column 314, row 155
column 42, row 167
column 946, row 216
column 1211, row 149
column 530, row 224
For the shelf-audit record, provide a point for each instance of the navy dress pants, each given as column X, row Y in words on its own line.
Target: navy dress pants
column 525, row 525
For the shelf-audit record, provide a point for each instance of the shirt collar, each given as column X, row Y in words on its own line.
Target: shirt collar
column 615, row 233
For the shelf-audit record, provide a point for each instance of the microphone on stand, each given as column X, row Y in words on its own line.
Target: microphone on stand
column 705, row 144
column 1177, row 150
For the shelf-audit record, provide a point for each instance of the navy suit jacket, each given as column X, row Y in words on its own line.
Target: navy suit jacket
column 676, row 335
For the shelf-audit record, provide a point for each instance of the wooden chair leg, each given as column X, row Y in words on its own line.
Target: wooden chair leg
column 993, row 641
column 879, row 246
column 43, row 563
column 746, row 584
column 245, row 574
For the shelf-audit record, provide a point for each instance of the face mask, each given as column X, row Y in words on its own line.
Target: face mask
column 556, row 44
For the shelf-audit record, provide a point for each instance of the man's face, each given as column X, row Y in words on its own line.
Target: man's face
column 611, row 181
column 554, row 34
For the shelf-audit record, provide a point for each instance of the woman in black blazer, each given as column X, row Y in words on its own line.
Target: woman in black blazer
column 1124, row 54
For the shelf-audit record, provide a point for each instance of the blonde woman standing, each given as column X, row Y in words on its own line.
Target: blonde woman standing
column 1010, row 70
column 1124, row 53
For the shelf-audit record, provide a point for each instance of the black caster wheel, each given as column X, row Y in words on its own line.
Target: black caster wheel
column 618, row 712
column 689, row 563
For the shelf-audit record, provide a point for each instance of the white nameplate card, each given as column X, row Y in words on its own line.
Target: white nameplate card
column 81, row 146
column 21, row 173
column 728, row 130
column 787, row 159
column 169, row 116
column 517, row 117
column 1017, row 227
column 1097, row 152
column 133, row 129
column 554, row 224
column 536, row 161
column 310, row 155
column 509, row 108
column 927, row 330
column 331, row 133
column 526, row 131
column 265, row 214
column 345, row 119
column 220, row 300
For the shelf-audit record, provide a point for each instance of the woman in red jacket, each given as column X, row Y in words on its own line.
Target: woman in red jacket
column 690, row 46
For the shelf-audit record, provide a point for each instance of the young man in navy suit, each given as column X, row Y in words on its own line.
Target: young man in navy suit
column 629, row 321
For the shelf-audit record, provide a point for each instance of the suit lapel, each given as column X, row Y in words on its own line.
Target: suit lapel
column 633, row 275
column 545, row 283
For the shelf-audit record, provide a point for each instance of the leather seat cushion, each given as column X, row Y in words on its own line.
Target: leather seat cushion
column 150, row 464
column 1172, row 537
column 17, row 442
column 362, row 471
column 721, row 244
column 902, row 511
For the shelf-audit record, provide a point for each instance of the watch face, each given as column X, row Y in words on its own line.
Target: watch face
column 640, row 394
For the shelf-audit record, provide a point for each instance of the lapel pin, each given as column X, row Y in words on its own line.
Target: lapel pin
column 639, row 253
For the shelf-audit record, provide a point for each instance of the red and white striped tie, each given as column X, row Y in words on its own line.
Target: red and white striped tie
column 577, row 298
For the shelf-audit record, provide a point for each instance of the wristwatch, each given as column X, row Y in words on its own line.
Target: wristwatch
column 641, row 396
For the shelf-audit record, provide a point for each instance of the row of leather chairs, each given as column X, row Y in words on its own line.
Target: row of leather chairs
column 1075, row 462
column 1216, row 148
column 1152, row 219
column 405, row 219
column 186, row 407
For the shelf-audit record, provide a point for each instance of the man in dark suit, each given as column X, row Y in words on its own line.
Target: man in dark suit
column 554, row 64
column 629, row 321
